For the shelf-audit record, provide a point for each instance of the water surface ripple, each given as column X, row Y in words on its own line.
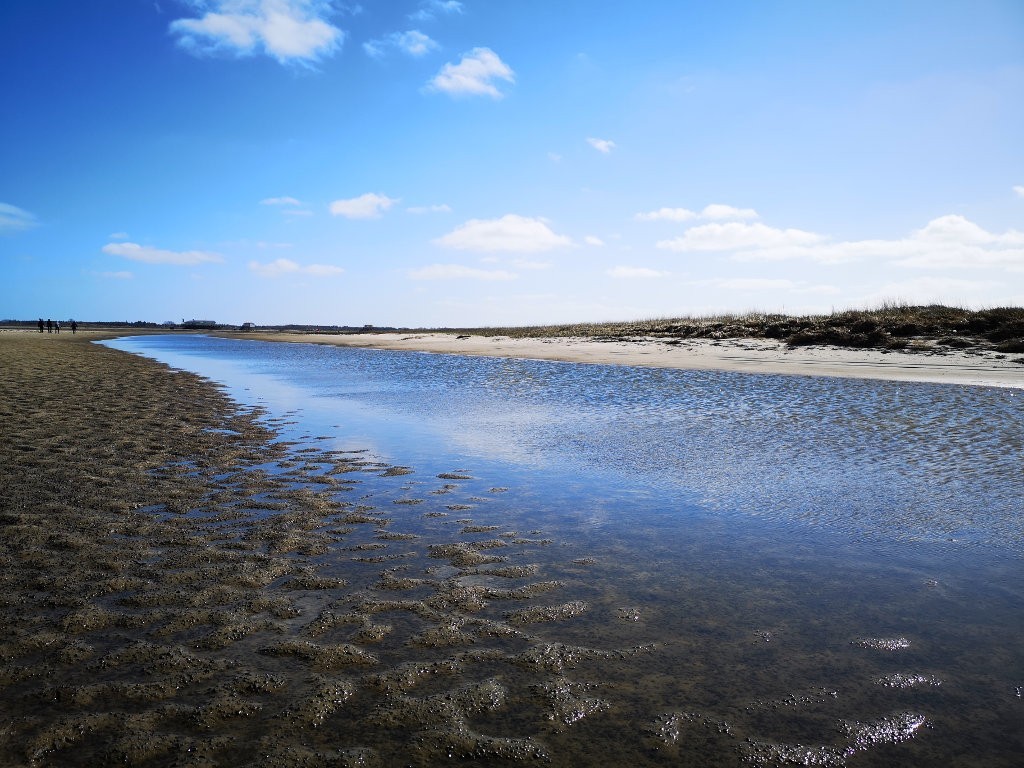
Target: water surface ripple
column 881, row 459
column 720, row 569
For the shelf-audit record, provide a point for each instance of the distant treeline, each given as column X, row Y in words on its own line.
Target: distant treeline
column 891, row 326
column 86, row 323
column 203, row 325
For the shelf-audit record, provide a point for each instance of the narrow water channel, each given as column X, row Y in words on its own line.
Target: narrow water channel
column 743, row 569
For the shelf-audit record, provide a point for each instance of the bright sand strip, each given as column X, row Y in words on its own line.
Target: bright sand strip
column 743, row 355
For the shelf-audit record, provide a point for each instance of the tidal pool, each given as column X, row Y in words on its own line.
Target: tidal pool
column 643, row 566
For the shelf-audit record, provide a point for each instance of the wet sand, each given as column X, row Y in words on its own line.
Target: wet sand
column 178, row 589
column 929, row 363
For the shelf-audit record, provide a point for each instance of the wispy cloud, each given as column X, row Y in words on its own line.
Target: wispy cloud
column 459, row 272
column 15, row 219
column 632, row 273
column 368, row 206
column 933, row 290
column 412, row 42
column 593, row 240
column 150, row 255
column 715, row 211
column 287, row 30
column 430, row 9
column 283, row 267
column 420, row 209
column 667, row 214
column 289, row 206
column 774, row 285
column 531, row 265
column 1019, row 190
column 474, row 75
column 118, row 236
column 123, row 275
column 519, row 234
column 601, row 145
column 737, row 235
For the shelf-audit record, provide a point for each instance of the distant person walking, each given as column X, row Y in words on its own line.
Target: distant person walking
column 74, row 327
column 40, row 325
column 56, row 326
column 49, row 325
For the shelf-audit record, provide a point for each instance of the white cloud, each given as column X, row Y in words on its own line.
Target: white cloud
column 412, row 42
column 957, row 229
column 282, row 267
column 946, row 242
column 459, row 272
column 15, row 219
column 115, row 275
column 953, row 241
column 419, row 209
column 509, row 233
column 736, row 235
column 593, row 240
column 1019, row 190
column 601, row 145
column 280, row 201
column 630, row 273
column 288, row 30
column 474, row 75
column 718, row 211
column 118, row 236
column 151, row 255
column 715, row 211
column 431, row 8
column 368, row 206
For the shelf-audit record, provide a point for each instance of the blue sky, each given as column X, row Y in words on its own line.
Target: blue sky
column 495, row 162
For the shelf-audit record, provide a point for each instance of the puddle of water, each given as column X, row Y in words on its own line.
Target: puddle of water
column 828, row 571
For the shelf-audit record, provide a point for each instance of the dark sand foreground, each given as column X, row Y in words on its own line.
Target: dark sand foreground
column 166, row 600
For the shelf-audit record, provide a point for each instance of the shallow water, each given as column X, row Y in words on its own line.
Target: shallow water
column 800, row 561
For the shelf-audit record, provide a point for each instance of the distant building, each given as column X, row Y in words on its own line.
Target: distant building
column 247, row 326
column 205, row 324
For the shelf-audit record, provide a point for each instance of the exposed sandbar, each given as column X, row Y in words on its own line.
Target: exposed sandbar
column 927, row 364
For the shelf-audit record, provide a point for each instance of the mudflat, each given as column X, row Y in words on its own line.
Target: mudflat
column 178, row 587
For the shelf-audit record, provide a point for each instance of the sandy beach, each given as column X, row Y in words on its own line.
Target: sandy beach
column 742, row 355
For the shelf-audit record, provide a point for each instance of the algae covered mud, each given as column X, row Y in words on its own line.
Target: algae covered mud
column 350, row 557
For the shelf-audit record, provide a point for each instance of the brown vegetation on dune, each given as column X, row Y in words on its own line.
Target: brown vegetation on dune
column 888, row 327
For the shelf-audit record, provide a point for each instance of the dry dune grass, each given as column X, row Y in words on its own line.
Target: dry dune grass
column 891, row 326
